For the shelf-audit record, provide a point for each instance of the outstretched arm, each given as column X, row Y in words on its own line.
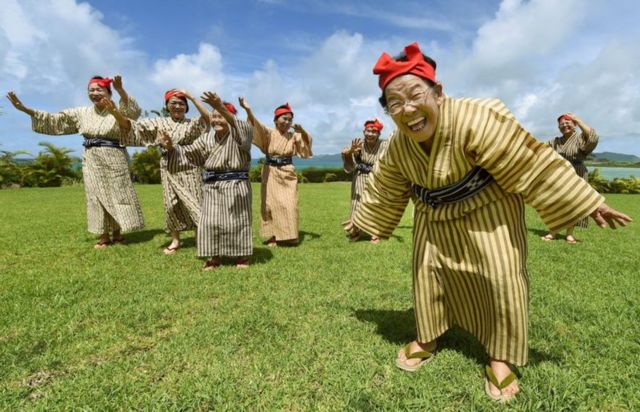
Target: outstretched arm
column 250, row 117
column 215, row 101
column 604, row 215
column 17, row 103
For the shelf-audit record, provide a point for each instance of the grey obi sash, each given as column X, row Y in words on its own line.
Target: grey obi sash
column 278, row 161
column 472, row 183
column 364, row 167
column 211, row 176
column 100, row 142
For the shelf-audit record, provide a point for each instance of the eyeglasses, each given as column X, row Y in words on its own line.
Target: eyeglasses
column 395, row 106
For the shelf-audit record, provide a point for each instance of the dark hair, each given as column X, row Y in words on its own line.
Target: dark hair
column 282, row 106
column 101, row 78
column 402, row 57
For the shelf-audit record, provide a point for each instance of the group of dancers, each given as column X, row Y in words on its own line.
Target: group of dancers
column 467, row 164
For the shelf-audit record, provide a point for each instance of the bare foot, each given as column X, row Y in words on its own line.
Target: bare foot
column 501, row 370
column 375, row 240
column 548, row 237
column 571, row 240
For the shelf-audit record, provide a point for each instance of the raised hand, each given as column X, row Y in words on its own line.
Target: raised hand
column 108, row 104
column 212, row 99
column 164, row 140
column 298, row 128
column 243, row 103
column 117, row 82
column 356, row 145
column 604, row 215
column 186, row 94
column 17, row 103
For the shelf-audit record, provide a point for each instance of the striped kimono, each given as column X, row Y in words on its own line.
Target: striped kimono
column 181, row 180
column 575, row 149
column 469, row 258
column 224, row 228
column 367, row 156
column 279, row 190
column 112, row 202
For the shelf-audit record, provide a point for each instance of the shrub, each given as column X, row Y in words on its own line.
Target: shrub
column 146, row 166
column 50, row 168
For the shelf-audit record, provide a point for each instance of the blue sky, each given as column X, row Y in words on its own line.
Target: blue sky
column 541, row 57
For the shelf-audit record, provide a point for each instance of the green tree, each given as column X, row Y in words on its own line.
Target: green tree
column 10, row 171
column 51, row 168
column 146, row 166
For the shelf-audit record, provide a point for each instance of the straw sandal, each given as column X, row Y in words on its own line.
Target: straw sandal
column 425, row 355
column 491, row 377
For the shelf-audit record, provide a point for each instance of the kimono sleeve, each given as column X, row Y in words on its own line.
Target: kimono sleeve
column 142, row 133
column 198, row 151
column 521, row 164
column 303, row 149
column 242, row 134
column 194, row 129
column 130, row 109
column 261, row 136
column 348, row 162
column 588, row 142
column 56, row 124
column 385, row 196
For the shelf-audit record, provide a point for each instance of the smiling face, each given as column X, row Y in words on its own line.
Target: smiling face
column 567, row 127
column 414, row 106
column 283, row 122
column 177, row 108
column 219, row 123
column 96, row 93
column 371, row 135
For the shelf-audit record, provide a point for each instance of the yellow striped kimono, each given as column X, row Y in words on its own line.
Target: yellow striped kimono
column 181, row 179
column 112, row 202
column 368, row 155
column 469, row 258
column 279, row 188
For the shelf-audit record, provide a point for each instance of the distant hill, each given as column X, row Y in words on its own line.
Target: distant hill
column 615, row 157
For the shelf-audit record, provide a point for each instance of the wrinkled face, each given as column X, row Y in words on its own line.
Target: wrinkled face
column 566, row 127
column 219, row 123
column 414, row 106
column 177, row 108
column 371, row 134
column 284, row 122
column 96, row 93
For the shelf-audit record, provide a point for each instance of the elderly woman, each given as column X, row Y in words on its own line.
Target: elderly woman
column 112, row 204
column 575, row 147
column 359, row 159
column 469, row 167
column 181, row 180
column 279, row 191
column 224, row 228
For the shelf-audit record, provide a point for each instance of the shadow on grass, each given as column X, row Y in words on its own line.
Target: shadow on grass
column 398, row 328
column 537, row 232
column 142, row 236
column 261, row 255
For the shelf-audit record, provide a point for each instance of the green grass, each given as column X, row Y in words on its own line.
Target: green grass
column 315, row 327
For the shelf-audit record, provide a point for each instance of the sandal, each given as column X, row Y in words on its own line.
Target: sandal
column 211, row 264
column 571, row 240
column 242, row 263
column 375, row 240
column 102, row 244
column 271, row 242
column 491, row 377
column 171, row 250
column 426, row 357
column 548, row 237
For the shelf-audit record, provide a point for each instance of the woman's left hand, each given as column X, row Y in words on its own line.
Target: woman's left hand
column 117, row 82
column 298, row 128
column 604, row 215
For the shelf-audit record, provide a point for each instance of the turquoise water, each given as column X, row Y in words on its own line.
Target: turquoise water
column 613, row 172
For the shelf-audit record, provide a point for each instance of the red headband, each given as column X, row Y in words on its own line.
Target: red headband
column 374, row 124
column 231, row 108
column 174, row 92
column 388, row 68
column 565, row 117
column 284, row 109
column 106, row 82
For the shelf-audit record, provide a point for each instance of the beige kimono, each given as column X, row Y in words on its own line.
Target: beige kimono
column 469, row 258
column 181, row 179
column 368, row 156
column 112, row 202
column 279, row 191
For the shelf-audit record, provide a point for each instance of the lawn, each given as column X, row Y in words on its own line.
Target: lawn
column 313, row 327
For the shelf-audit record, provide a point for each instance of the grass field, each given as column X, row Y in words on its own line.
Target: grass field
column 313, row 327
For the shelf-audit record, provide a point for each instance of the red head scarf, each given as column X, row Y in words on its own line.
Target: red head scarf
column 388, row 68
column 106, row 83
column 565, row 117
column 374, row 124
column 175, row 93
column 230, row 107
column 284, row 109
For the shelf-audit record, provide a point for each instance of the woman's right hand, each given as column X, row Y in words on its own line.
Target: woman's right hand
column 15, row 101
column 356, row 145
column 243, row 103
column 164, row 140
